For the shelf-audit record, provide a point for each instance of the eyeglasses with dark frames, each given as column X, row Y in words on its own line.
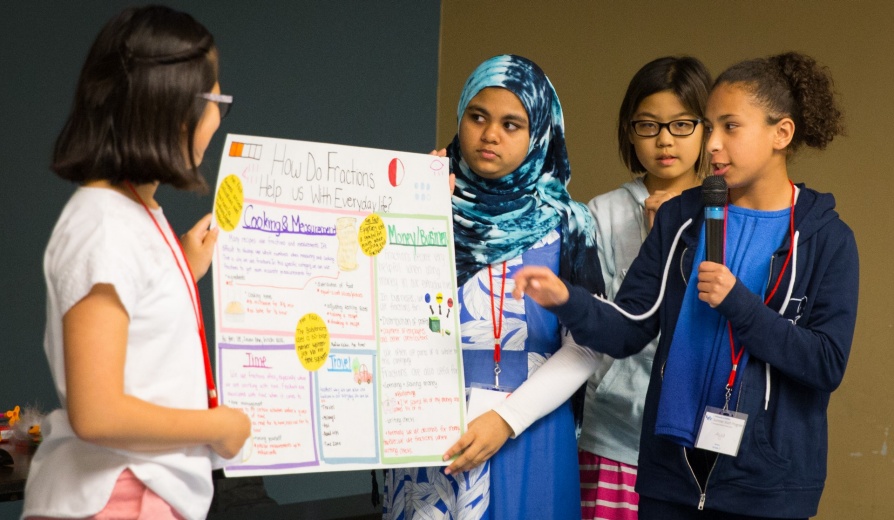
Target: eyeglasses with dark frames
column 677, row 127
column 224, row 102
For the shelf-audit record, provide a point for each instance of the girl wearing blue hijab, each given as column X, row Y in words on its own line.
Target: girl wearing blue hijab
column 511, row 209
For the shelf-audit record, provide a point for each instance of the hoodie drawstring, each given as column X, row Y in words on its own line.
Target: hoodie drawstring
column 788, row 296
column 655, row 307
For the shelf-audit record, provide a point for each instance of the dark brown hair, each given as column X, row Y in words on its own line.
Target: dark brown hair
column 685, row 76
column 136, row 101
column 792, row 85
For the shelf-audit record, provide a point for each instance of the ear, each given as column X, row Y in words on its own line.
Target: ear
column 785, row 131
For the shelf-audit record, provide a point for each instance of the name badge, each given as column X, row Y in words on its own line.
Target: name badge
column 483, row 398
column 721, row 431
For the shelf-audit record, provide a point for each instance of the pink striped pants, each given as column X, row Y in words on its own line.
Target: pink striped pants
column 606, row 488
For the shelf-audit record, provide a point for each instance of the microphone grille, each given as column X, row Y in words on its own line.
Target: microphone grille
column 714, row 191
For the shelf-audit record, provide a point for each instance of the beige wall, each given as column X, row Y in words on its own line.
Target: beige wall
column 591, row 49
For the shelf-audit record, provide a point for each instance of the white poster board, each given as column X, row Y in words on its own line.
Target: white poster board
column 334, row 288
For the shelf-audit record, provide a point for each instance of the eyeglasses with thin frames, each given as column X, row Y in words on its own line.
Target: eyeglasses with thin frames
column 224, row 102
column 677, row 127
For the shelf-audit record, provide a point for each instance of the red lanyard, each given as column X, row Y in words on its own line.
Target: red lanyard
column 735, row 356
column 193, row 297
column 498, row 325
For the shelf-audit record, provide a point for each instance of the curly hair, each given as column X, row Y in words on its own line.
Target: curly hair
column 792, row 85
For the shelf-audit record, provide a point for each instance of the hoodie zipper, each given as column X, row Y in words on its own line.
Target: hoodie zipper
column 702, row 492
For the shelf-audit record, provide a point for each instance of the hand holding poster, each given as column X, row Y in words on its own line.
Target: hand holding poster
column 334, row 284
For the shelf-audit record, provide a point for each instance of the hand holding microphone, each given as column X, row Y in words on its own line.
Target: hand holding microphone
column 714, row 281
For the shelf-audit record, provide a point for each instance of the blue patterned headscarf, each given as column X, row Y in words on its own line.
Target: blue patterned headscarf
column 496, row 220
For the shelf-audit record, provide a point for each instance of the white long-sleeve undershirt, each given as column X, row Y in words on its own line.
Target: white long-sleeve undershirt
column 552, row 384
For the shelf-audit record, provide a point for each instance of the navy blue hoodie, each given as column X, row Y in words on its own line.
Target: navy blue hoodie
column 797, row 358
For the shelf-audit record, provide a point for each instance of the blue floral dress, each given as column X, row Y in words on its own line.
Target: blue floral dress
column 534, row 476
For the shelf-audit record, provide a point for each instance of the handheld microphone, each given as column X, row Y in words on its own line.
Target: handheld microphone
column 714, row 198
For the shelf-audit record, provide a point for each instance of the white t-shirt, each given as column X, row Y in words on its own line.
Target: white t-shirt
column 104, row 237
